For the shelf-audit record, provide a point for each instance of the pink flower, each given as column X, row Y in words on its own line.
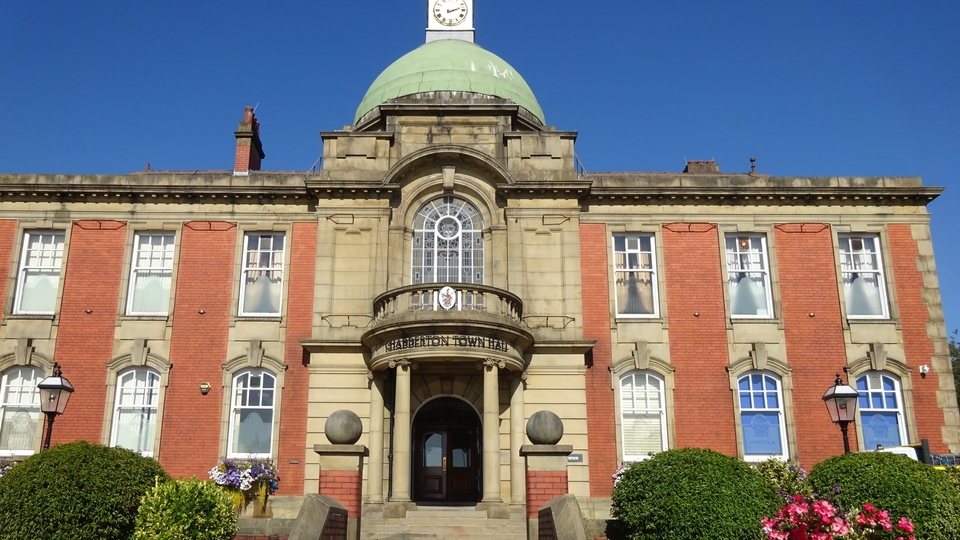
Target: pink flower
column 840, row 526
column 905, row 525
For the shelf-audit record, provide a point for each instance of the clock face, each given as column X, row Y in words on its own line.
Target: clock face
column 450, row 12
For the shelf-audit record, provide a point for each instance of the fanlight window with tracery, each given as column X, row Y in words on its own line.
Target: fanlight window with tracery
column 447, row 242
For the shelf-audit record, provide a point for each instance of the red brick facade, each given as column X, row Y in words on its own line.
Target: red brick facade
column 601, row 432
column 542, row 486
column 344, row 486
column 293, row 427
column 698, row 337
column 917, row 345
column 814, row 343
column 198, row 348
column 88, row 318
column 8, row 231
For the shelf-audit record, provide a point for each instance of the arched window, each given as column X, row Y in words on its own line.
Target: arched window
column 251, row 414
column 447, row 242
column 19, row 411
column 761, row 417
column 881, row 410
column 135, row 410
column 643, row 420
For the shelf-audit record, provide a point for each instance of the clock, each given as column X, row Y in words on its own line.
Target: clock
column 450, row 12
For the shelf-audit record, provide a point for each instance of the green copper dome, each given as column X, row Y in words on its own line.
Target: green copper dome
column 450, row 65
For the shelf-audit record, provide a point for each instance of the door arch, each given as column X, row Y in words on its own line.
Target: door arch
column 446, row 452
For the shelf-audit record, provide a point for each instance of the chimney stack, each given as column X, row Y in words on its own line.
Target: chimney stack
column 249, row 148
column 702, row 167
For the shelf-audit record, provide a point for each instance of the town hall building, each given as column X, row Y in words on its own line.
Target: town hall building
column 450, row 270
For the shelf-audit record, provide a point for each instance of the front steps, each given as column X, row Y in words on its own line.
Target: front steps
column 422, row 522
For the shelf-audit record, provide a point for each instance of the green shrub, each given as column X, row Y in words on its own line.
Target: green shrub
column 953, row 474
column 896, row 483
column 692, row 494
column 75, row 491
column 186, row 510
column 784, row 478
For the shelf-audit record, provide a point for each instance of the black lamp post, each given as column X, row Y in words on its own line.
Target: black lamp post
column 54, row 394
column 841, row 400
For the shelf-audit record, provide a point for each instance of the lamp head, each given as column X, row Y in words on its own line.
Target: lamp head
column 841, row 400
column 55, row 392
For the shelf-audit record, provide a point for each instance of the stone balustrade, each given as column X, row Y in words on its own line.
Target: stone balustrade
column 468, row 298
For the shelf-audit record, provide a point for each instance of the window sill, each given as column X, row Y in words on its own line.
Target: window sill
column 144, row 317
column 260, row 318
column 32, row 316
column 761, row 458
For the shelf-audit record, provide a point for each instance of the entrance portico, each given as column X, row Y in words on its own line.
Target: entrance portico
column 460, row 352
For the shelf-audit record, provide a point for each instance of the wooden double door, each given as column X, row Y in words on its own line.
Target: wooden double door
column 446, row 454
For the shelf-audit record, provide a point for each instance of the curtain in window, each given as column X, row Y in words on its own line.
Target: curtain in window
column 862, row 274
column 747, row 275
column 151, row 274
column 40, row 272
column 19, row 410
column 135, row 421
column 634, row 280
column 252, row 423
column 642, row 415
column 263, row 274
column 151, row 292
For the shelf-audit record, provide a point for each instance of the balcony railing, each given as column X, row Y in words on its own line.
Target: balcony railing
column 425, row 297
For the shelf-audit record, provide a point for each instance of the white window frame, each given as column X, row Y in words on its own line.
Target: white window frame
column 633, row 398
column 236, row 408
column 57, row 247
column 165, row 258
column 869, row 393
column 145, row 397
column 262, row 260
column 779, row 409
column 651, row 270
column 447, row 224
column 25, row 390
column 750, row 259
column 856, row 261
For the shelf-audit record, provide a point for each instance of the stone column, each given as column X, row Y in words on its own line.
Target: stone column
column 375, row 471
column 517, row 438
column 491, row 430
column 401, row 431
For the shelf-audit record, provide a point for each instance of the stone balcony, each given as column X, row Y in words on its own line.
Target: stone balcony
column 476, row 323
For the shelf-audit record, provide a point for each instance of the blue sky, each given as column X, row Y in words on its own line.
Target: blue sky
column 811, row 88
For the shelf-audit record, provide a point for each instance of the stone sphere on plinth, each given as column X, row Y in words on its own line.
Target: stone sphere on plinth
column 343, row 427
column 544, row 427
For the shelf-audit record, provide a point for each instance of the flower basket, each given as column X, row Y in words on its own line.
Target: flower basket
column 5, row 466
column 247, row 480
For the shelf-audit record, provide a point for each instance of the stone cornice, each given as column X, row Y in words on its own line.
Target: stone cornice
column 654, row 188
column 181, row 186
column 592, row 189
